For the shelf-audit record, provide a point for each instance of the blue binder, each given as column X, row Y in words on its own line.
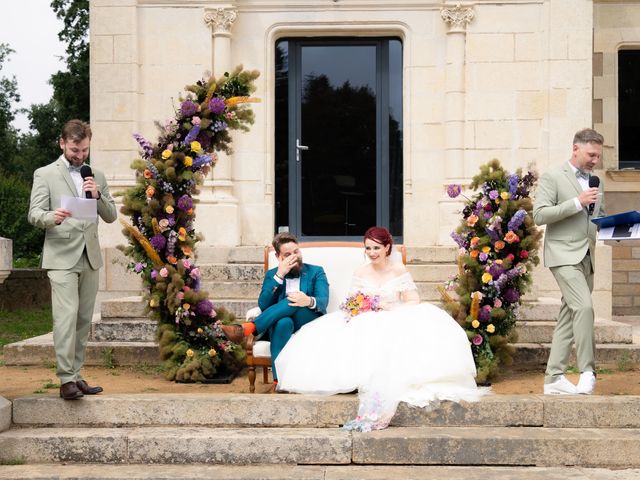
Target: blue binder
column 627, row 218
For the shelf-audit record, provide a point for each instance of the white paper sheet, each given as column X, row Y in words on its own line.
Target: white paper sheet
column 621, row 232
column 81, row 208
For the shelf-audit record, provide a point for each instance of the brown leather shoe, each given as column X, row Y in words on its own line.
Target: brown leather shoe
column 86, row 389
column 69, row 391
column 233, row 332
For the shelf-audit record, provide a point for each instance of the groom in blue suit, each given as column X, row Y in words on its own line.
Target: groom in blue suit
column 293, row 294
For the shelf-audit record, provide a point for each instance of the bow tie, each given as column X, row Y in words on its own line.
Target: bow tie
column 73, row 168
column 581, row 174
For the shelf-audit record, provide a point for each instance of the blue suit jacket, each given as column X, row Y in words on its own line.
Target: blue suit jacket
column 313, row 282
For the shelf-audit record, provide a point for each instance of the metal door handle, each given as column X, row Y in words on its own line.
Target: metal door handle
column 298, row 148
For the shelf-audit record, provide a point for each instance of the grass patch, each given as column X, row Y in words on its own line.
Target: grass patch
column 625, row 362
column 49, row 385
column 147, row 369
column 22, row 324
column 108, row 358
column 12, row 461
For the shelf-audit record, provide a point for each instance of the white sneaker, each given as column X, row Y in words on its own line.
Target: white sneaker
column 586, row 383
column 561, row 386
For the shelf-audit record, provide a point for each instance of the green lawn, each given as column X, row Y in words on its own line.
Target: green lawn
column 21, row 324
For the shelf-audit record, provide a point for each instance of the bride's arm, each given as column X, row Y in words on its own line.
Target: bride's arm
column 410, row 297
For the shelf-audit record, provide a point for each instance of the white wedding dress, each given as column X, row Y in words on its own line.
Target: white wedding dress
column 416, row 354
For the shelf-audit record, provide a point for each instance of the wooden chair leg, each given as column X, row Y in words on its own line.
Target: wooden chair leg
column 252, row 379
column 265, row 374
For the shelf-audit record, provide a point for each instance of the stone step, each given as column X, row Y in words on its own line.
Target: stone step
column 232, row 410
column 531, row 354
column 522, row 446
column 606, row 331
column 446, row 254
column 307, row 472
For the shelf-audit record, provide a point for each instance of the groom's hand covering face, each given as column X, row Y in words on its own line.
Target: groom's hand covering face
column 289, row 259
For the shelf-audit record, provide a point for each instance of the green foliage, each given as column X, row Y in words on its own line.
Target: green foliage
column 499, row 246
column 161, row 234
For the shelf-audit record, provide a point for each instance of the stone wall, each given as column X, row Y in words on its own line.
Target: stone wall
column 25, row 288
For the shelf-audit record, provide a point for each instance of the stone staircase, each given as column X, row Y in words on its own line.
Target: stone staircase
column 233, row 277
column 292, row 436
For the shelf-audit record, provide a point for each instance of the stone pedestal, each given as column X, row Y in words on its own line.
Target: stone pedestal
column 6, row 258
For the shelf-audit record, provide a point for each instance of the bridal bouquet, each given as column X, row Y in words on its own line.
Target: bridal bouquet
column 359, row 303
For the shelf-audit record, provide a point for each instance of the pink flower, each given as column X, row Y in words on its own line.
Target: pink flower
column 195, row 120
column 186, row 263
column 497, row 303
column 180, row 295
column 477, row 340
column 195, row 273
column 164, row 273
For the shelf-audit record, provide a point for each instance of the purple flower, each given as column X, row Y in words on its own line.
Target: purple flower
column 172, row 219
column 158, row 242
column 204, row 139
column 204, row 308
column 517, row 220
column 459, row 239
column 454, row 190
column 500, row 282
column 492, row 235
column 511, row 295
column 147, row 148
column 188, row 108
column 219, row 126
column 138, row 267
column 185, row 203
column 201, row 161
column 488, row 215
column 484, row 315
column 154, row 274
column 495, row 270
column 192, row 135
column 216, row 105
column 493, row 194
column 513, row 184
column 483, row 257
column 477, row 340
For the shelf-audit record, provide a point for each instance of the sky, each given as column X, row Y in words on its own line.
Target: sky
column 34, row 37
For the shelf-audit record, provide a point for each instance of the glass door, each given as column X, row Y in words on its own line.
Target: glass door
column 338, row 137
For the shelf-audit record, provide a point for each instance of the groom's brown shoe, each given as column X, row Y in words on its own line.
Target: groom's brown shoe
column 233, row 332
column 69, row 391
column 86, row 389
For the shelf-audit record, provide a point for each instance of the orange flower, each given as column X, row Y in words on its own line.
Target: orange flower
column 150, row 191
column 186, row 306
column 471, row 221
column 182, row 234
column 172, row 260
column 147, row 173
column 474, row 253
column 511, row 237
column 474, row 241
column 499, row 245
column 187, row 250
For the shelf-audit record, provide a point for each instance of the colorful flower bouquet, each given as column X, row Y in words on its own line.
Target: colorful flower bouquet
column 359, row 303
column 162, row 235
column 498, row 244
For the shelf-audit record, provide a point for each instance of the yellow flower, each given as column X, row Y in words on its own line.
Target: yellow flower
column 195, row 146
column 189, row 353
column 200, row 331
column 486, row 277
column 182, row 234
column 486, row 249
column 475, row 324
column 153, row 303
column 212, row 352
column 166, row 154
column 504, row 195
column 491, row 328
column 188, row 161
column 168, row 209
column 186, row 306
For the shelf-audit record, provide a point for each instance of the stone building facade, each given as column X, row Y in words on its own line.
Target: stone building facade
column 506, row 79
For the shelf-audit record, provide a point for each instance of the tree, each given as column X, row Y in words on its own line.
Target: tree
column 8, row 97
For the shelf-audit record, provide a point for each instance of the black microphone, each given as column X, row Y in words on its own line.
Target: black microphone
column 594, row 181
column 85, row 171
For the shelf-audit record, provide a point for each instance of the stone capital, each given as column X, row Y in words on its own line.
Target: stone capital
column 457, row 17
column 220, row 20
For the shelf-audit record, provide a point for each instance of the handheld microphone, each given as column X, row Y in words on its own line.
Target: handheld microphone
column 85, row 171
column 594, row 181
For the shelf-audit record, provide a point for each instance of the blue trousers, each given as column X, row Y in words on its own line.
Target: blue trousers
column 279, row 322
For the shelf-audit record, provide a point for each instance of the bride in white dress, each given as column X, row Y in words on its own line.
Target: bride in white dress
column 406, row 352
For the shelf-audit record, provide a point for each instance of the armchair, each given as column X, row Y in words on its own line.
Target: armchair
column 339, row 260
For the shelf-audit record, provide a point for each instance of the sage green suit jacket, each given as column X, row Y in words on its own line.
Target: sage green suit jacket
column 570, row 232
column 64, row 243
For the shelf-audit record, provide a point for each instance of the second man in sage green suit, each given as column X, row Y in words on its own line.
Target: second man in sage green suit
column 562, row 202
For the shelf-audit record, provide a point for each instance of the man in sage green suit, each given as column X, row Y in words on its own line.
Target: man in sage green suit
column 562, row 203
column 71, row 253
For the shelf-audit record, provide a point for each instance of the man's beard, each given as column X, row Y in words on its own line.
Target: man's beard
column 295, row 270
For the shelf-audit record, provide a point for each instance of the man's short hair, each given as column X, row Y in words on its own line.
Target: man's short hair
column 588, row 135
column 282, row 238
column 76, row 130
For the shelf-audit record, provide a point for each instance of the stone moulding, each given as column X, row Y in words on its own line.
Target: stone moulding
column 220, row 20
column 458, row 17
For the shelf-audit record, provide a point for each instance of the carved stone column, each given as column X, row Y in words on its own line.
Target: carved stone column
column 456, row 17
column 220, row 222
